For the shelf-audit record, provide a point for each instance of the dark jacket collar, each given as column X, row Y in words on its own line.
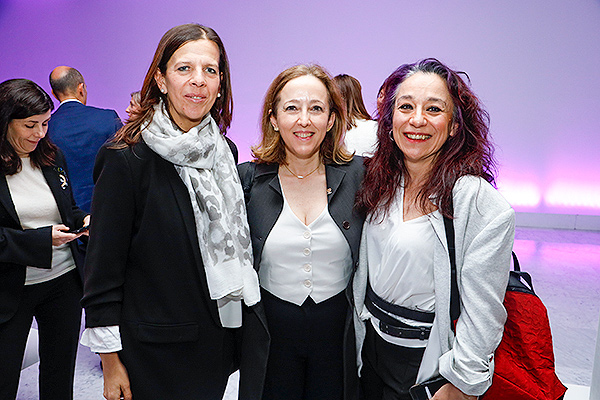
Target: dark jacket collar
column 6, row 199
column 56, row 178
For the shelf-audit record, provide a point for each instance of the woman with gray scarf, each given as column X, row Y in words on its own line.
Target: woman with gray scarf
column 169, row 263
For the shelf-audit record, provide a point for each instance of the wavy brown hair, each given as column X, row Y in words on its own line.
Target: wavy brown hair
column 20, row 99
column 150, row 94
column 468, row 152
column 271, row 148
column 351, row 92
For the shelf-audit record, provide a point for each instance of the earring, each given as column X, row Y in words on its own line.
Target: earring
column 163, row 91
column 218, row 94
column 392, row 135
column 276, row 129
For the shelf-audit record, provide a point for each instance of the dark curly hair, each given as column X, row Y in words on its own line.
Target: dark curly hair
column 468, row 152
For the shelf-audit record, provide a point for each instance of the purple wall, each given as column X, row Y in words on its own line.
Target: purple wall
column 535, row 64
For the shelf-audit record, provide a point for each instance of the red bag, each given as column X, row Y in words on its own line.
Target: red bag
column 524, row 360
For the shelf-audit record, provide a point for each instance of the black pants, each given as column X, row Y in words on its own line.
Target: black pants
column 388, row 370
column 306, row 353
column 55, row 306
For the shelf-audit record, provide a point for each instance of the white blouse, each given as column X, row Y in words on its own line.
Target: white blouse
column 400, row 255
column 36, row 208
column 299, row 261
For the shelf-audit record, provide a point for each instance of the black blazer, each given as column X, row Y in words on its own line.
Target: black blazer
column 264, row 202
column 144, row 270
column 135, row 243
column 137, row 238
column 32, row 247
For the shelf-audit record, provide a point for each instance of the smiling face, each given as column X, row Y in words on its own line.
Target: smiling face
column 422, row 118
column 191, row 82
column 24, row 134
column 303, row 117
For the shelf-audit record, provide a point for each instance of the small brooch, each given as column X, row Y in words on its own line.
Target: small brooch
column 62, row 177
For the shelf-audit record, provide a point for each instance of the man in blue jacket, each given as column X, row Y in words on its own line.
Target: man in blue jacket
column 79, row 130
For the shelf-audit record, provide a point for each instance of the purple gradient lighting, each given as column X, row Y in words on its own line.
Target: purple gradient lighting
column 525, row 249
column 587, row 255
column 521, row 194
column 572, row 194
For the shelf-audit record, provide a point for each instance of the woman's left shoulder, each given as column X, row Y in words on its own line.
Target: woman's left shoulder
column 355, row 165
column 233, row 148
column 246, row 171
column 474, row 189
column 59, row 158
column 471, row 182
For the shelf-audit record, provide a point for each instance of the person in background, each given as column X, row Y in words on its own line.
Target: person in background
column 300, row 192
column 380, row 97
column 38, row 270
column 434, row 160
column 169, row 261
column 134, row 104
column 79, row 130
column 361, row 134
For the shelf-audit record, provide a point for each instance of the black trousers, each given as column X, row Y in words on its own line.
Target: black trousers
column 306, row 353
column 55, row 306
column 388, row 370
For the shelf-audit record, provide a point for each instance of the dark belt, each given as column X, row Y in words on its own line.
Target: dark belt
column 376, row 306
column 405, row 333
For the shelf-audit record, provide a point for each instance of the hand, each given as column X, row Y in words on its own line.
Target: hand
column 60, row 235
column 116, row 379
column 450, row 392
column 86, row 222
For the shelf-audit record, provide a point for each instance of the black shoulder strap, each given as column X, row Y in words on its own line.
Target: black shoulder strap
column 454, row 296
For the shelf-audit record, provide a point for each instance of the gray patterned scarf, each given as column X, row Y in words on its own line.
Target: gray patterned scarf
column 205, row 164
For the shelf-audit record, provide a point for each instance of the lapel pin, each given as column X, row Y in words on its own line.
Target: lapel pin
column 62, row 177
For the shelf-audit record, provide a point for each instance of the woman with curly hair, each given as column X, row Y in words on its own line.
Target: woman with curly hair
column 434, row 161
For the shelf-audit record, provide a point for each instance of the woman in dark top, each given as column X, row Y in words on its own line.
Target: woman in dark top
column 38, row 256
column 169, row 262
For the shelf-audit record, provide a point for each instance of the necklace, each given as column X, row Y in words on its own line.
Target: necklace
column 301, row 176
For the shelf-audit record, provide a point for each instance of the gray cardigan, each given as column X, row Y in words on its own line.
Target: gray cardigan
column 484, row 231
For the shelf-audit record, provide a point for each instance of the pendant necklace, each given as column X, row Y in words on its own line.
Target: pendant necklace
column 301, row 176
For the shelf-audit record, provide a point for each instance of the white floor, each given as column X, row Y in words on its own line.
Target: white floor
column 565, row 266
column 576, row 392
